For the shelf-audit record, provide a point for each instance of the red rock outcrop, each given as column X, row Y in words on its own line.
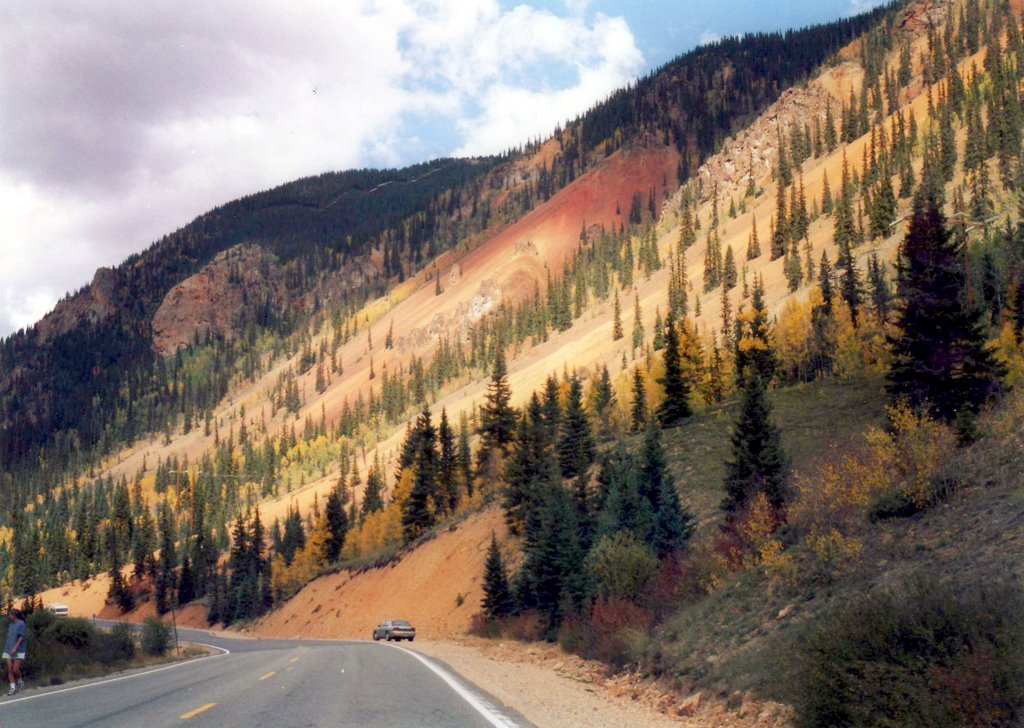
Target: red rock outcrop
column 215, row 299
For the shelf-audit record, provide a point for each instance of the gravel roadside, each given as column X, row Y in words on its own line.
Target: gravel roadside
column 549, row 688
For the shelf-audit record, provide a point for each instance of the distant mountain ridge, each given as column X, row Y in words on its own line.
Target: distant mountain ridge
column 73, row 385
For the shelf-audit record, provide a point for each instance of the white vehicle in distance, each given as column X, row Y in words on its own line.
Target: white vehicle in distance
column 394, row 629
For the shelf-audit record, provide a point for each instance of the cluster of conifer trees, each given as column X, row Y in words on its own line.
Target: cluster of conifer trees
column 546, row 456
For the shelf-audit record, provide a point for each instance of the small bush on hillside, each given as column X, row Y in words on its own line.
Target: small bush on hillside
column 622, row 565
column 618, row 632
column 156, row 637
column 481, row 625
column 935, row 655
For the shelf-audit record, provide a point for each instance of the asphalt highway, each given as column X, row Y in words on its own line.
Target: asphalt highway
column 278, row 683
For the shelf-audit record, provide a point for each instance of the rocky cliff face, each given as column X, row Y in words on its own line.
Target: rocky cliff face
column 216, row 299
column 92, row 304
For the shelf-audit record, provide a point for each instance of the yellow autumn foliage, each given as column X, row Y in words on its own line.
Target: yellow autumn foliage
column 381, row 529
column 861, row 351
column 914, row 451
column 832, row 505
column 1010, row 352
column 285, row 580
column 793, row 336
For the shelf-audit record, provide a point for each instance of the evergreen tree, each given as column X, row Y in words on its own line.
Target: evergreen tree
column 940, row 361
column 780, row 234
column 417, row 513
column 850, row 286
column 497, row 418
column 793, row 269
column 118, row 593
column 186, row 582
column 448, row 488
column 337, row 521
column 881, row 294
column 530, row 467
column 552, row 578
column 625, row 501
column 616, row 318
column 165, row 579
column 757, row 463
column 576, row 448
column 638, row 413
column 659, row 330
column 293, row 540
column 729, row 274
column 638, row 324
column 754, row 353
column 497, row 601
column 673, row 524
column 551, row 408
column 825, row 282
column 753, row 245
column 465, row 455
column 602, row 399
column 373, row 498
column 676, row 406
column 883, row 208
column 826, row 195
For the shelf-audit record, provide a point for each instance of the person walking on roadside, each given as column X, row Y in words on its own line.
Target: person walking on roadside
column 14, row 650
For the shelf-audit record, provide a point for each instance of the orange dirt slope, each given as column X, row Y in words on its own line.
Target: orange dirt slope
column 424, row 588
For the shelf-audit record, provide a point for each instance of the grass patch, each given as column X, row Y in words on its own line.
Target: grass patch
column 810, row 416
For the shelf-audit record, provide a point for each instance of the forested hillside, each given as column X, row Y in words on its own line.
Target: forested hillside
column 318, row 226
column 736, row 392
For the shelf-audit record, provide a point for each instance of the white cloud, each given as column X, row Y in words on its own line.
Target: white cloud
column 709, row 36
column 121, row 123
column 861, row 6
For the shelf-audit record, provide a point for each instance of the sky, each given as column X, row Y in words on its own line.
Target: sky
column 121, row 122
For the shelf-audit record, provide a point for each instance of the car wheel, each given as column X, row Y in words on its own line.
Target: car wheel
column 375, row 637
column 411, row 639
column 388, row 636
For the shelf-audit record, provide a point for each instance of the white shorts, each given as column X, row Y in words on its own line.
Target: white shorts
column 19, row 656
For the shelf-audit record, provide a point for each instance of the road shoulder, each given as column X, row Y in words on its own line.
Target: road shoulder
column 549, row 688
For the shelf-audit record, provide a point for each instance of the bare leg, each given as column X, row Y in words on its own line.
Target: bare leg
column 15, row 670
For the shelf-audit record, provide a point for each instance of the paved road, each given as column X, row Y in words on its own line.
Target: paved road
column 277, row 683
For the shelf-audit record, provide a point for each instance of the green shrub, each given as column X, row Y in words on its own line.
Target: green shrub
column 74, row 632
column 927, row 655
column 117, row 645
column 156, row 637
column 622, row 565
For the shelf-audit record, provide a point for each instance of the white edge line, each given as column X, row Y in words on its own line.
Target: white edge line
column 106, row 681
column 497, row 720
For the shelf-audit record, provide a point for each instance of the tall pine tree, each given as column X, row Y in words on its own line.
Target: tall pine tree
column 940, row 362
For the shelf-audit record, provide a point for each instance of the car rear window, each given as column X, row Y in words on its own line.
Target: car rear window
column 401, row 624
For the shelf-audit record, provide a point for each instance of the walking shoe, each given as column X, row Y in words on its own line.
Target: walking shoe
column 21, row 684
column 12, row 691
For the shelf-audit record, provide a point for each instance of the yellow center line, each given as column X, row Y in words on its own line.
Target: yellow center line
column 197, row 711
column 294, row 659
column 268, row 675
